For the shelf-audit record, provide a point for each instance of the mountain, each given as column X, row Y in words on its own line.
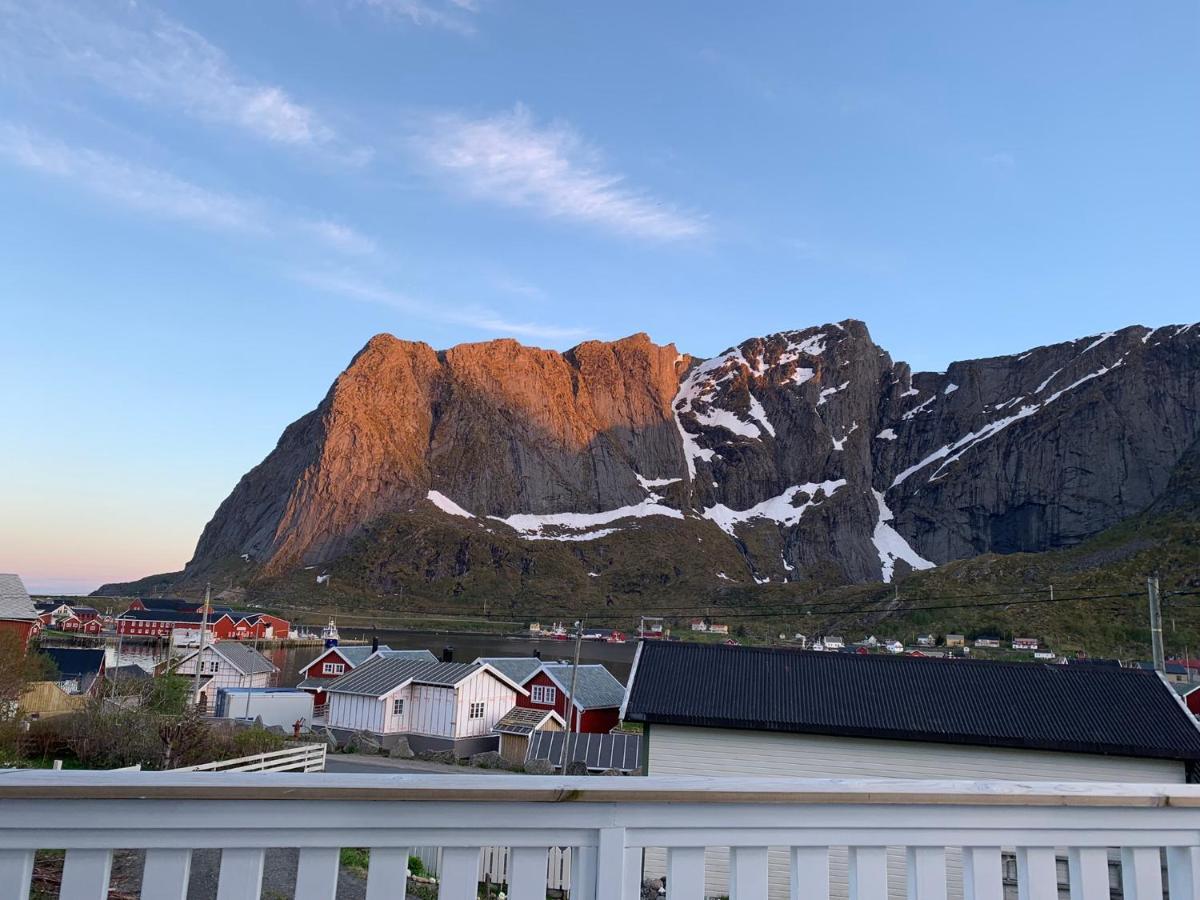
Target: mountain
column 627, row 468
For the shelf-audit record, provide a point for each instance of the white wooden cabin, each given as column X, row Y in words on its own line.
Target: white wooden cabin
column 226, row 664
column 790, row 714
column 435, row 705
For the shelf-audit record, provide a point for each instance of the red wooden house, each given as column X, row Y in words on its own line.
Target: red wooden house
column 17, row 612
column 334, row 662
column 598, row 695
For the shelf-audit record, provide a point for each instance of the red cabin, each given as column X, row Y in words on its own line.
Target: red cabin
column 598, row 695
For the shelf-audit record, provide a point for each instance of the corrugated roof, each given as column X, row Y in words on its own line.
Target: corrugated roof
column 516, row 668
column 382, row 674
column 389, row 653
column 595, row 686
column 14, row 599
column 523, row 720
column 1124, row 712
column 249, row 660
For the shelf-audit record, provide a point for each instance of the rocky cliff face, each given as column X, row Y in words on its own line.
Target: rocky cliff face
column 801, row 451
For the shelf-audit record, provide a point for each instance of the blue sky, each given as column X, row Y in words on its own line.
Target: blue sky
column 209, row 207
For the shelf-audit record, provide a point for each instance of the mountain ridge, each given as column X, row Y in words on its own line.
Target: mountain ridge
column 803, row 454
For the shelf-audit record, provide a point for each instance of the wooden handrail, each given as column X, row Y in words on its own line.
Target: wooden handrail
column 37, row 784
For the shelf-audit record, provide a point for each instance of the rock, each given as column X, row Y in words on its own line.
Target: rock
column 489, row 759
column 539, row 767
column 576, row 767
column 616, row 772
column 1017, row 453
column 401, row 750
column 362, row 742
column 445, row 757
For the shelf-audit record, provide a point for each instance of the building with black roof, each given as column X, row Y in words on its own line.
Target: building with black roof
column 759, row 711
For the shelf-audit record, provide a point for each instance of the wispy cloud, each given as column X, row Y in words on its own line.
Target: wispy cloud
column 352, row 285
column 165, row 195
column 452, row 15
column 137, row 53
column 550, row 169
column 139, row 187
column 1000, row 160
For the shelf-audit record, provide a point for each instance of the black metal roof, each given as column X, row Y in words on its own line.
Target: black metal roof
column 617, row 750
column 1079, row 709
column 73, row 662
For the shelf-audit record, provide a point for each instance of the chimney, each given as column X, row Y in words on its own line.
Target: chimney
column 447, row 654
column 537, row 654
column 374, row 642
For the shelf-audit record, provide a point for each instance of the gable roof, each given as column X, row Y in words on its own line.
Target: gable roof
column 382, row 675
column 516, row 668
column 245, row 659
column 14, row 599
column 525, row 720
column 389, row 653
column 1125, row 712
column 595, row 686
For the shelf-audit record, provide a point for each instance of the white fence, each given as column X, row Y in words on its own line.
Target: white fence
column 494, row 865
column 609, row 823
column 299, row 758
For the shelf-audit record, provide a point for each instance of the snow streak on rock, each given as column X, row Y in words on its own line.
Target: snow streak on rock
column 582, row 526
column 781, row 509
column 890, row 545
column 445, row 504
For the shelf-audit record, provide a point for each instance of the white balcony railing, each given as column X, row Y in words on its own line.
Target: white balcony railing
column 609, row 822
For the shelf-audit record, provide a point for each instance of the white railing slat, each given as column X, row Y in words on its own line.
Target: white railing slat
column 317, row 873
column 685, row 873
column 241, row 874
column 1183, row 873
column 618, row 868
column 527, row 873
column 809, row 873
column 983, row 878
column 1037, row 873
column 1141, row 873
column 748, row 873
column 583, row 873
column 868, row 873
column 85, row 875
column 16, row 869
column 387, row 873
column 926, row 868
column 460, row 871
column 1088, row 868
column 165, row 874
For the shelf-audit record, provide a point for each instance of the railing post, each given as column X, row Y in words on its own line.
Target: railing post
column 810, row 873
column 1141, row 873
column 618, row 868
column 241, row 874
column 583, row 873
column 868, row 873
column 165, row 874
column 387, row 872
column 1183, row 873
column 460, row 873
column 1037, row 874
column 982, row 875
column 16, row 869
column 85, row 875
column 1088, row 868
column 926, row 873
column 317, row 873
column 747, row 873
column 527, row 873
column 685, row 873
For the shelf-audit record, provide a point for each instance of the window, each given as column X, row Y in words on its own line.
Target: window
column 398, row 706
column 333, row 668
column 544, row 694
column 476, row 711
column 213, row 666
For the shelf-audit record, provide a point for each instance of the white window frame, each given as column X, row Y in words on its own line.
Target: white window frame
column 333, row 668
column 477, row 710
column 397, row 706
column 544, row 694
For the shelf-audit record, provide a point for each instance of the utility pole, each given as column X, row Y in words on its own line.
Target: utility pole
column 203, row 636
column 571, row 698
column 1156, row 635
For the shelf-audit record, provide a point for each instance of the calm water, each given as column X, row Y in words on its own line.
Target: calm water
column 617, row 658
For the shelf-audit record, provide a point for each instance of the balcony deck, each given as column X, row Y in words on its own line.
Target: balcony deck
column 608, row 822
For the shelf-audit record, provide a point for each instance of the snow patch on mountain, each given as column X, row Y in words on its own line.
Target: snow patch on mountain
column 829, row 392
column 581, row 526
column 886, row 435
column 950, row 388
column 781, row 509
column 446, row 505
column 890, row 545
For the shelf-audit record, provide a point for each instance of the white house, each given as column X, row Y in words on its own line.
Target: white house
column 784, row 713
column 435, row 705
column 226, row 664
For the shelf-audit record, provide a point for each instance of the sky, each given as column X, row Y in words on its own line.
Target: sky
column 208, row 208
